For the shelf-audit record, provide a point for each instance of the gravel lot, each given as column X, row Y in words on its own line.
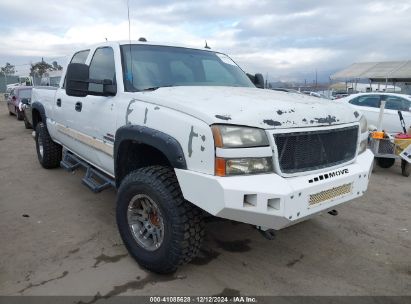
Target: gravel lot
column 59, row 238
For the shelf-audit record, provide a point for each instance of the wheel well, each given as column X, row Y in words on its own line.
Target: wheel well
column 36, row 118
column 132, row 155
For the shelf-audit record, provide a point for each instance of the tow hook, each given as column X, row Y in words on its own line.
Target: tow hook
column 269, row 234
column 333, row 212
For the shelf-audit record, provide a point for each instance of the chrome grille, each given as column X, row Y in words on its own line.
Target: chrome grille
column 307, row 151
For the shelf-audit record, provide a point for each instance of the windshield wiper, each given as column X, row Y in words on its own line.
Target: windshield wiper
column 155, row 88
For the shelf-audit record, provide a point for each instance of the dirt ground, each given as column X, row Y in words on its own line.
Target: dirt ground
column 59, row 238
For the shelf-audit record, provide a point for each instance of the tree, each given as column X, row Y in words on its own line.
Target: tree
column 8, row 69
column 56, row 66
column 40, row 68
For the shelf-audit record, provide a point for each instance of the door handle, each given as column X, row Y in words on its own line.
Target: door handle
column 58, row 102
column 78, row 106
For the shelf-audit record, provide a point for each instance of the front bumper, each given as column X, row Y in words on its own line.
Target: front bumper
column 272, row 201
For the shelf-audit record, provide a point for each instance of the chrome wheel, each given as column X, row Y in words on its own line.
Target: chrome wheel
column 146, row 222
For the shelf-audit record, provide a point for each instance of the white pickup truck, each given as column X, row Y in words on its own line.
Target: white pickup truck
column 183, row 133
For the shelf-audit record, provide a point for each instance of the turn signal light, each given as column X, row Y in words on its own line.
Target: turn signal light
column 220, row 166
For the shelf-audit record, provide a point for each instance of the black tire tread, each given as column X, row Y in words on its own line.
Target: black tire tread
column 405, row 168
column 385, row 162
column 188, row 224
column 27, row 125
column 19, row 115
column 52, row 152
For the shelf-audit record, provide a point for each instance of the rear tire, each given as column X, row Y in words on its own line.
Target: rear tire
column 385, row 162
column 181, row 222
column 405, row 168
column 27, row 124
column 48, row 152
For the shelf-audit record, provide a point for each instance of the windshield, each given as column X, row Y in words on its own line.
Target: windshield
column 148, row 67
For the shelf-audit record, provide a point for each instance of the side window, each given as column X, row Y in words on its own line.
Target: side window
column 372, row 101
column 80, row 57
column 102, row 67
column 396, row 103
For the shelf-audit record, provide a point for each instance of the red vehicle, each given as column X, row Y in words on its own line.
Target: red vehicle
column 14, row 99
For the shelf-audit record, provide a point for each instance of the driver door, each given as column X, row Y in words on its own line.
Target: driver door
column 96, row 115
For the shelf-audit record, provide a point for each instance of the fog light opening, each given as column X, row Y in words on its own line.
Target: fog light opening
column 273, row 204
column 250, row 200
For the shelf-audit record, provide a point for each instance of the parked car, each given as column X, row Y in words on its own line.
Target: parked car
column 369, row 104
column 316, row 94
column 25, row 106
column 183, row 133
column 14, row 100
column 286, row 90
column 7, row 93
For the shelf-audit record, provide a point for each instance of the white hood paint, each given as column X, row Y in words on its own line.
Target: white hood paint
column 254, row 107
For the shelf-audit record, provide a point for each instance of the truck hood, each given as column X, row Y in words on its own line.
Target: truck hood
column 253, row 107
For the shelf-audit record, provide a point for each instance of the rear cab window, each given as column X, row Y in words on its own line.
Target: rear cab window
column 79, row 57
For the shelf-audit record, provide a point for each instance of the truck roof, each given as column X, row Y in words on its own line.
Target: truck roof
column 125, row 42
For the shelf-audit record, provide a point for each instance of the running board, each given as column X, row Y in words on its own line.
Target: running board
column 95, row 180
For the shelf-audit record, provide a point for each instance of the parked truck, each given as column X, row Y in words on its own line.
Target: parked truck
column 183, row 133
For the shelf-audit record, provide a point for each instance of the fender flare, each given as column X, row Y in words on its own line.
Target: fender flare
column 39, row 107
column 163, row 142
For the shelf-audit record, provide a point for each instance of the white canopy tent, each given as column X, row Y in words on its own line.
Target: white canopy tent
column 377, row 72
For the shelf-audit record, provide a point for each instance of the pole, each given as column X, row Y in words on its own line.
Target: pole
column 380, row 117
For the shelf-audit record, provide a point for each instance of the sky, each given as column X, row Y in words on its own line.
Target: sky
column 287, row 40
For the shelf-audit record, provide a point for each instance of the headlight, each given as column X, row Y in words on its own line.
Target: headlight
column 226, row 136
column 363, row 146
column 238, row 166
column 363, row 129
column 363, row 124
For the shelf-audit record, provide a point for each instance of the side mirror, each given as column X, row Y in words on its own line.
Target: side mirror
column 25, row 101
column 77, row 79
column 79, row 84
column 257, row 79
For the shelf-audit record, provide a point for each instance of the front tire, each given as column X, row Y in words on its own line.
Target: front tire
column 19, row 114
column 159, row 228
column 385, row 162
column 48, row 152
